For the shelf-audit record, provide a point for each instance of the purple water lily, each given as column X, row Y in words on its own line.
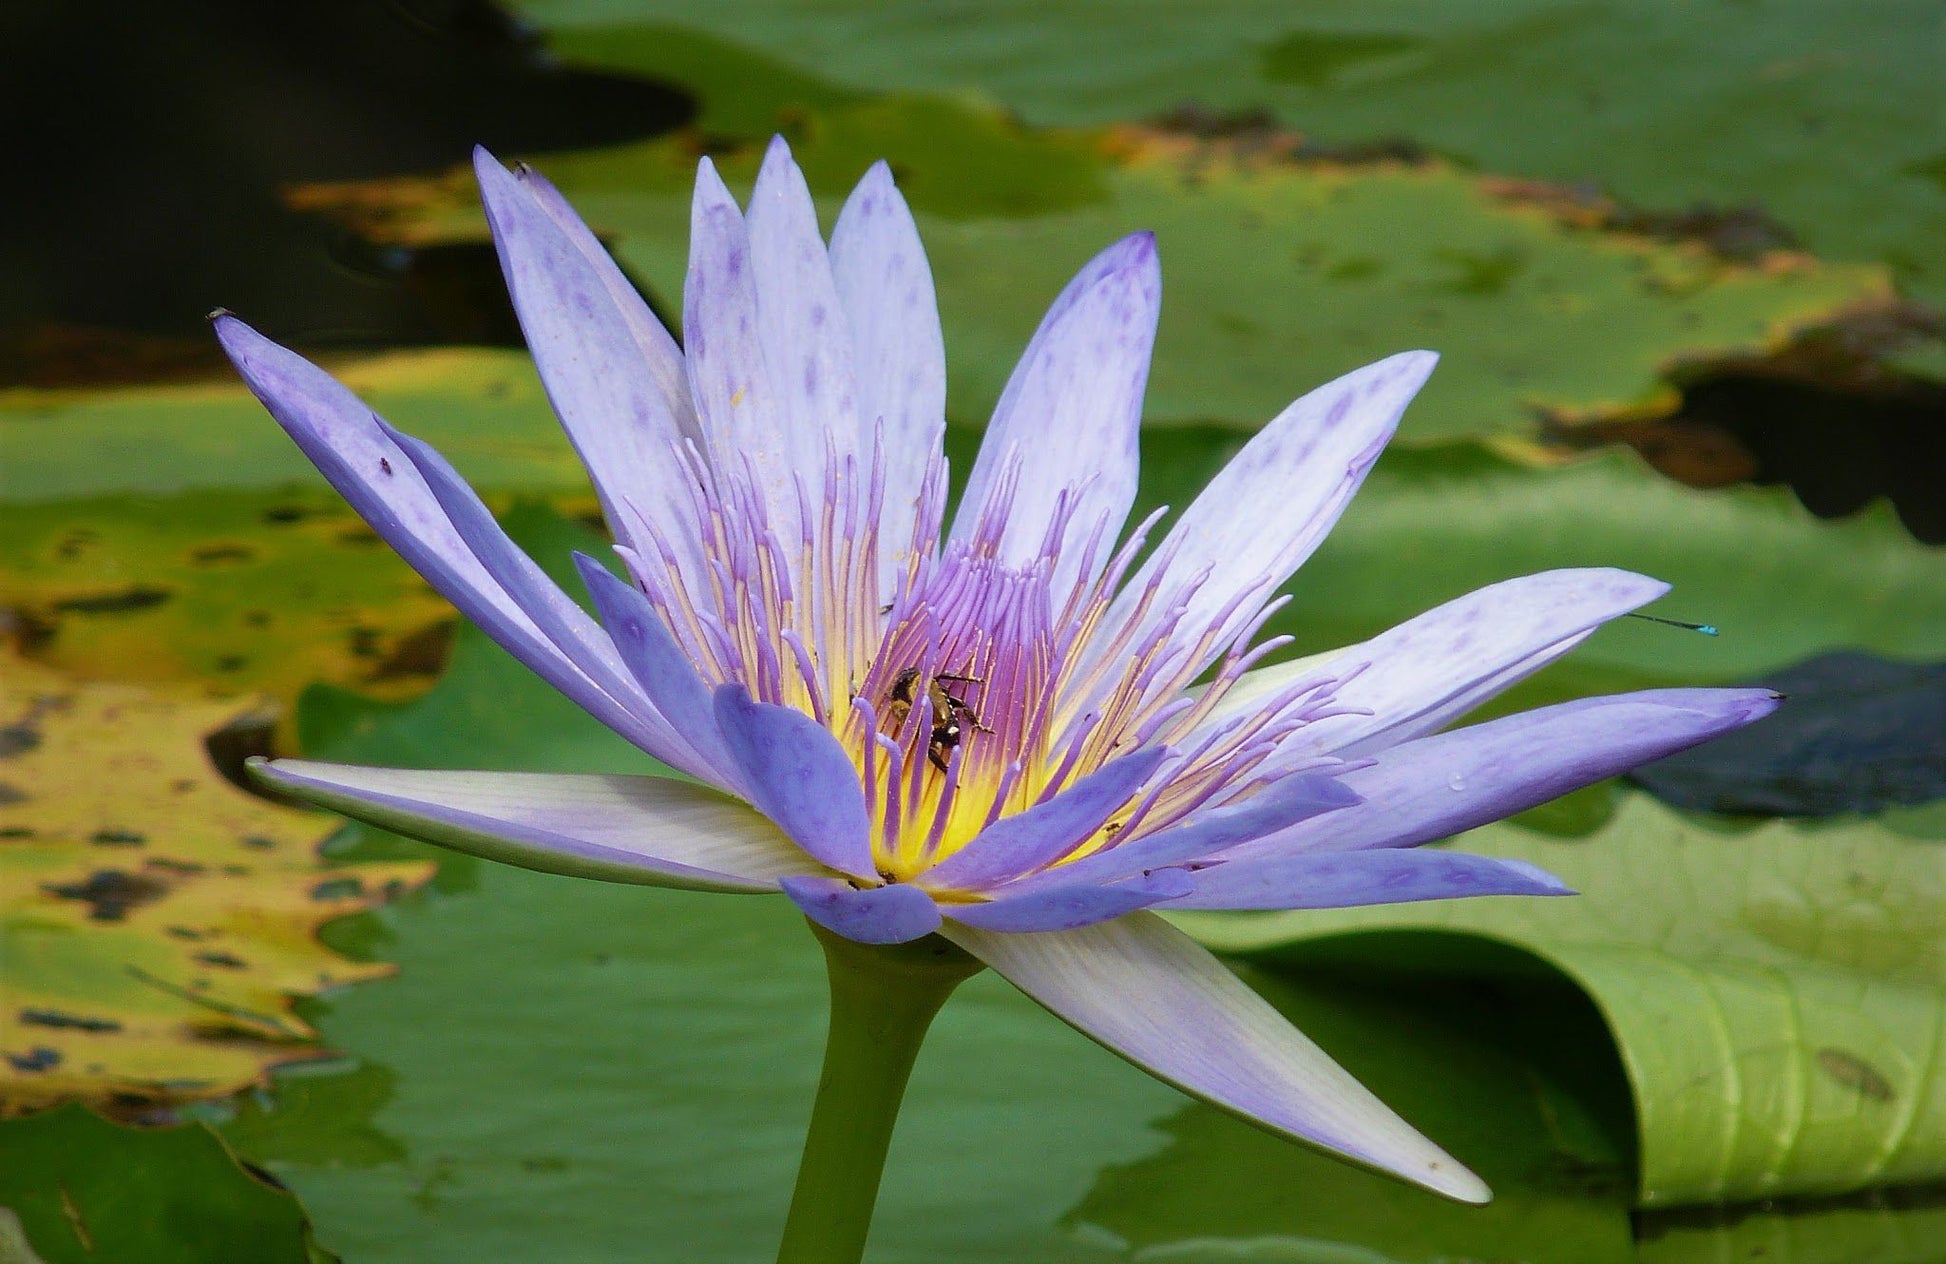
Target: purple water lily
column 996, row 731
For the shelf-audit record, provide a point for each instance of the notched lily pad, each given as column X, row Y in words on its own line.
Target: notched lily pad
column 86, row 1191
column 1776, row 994
column 1859, row 734
column 157, row 921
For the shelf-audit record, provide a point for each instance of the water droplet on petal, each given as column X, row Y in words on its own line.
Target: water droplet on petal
column 1456, row 782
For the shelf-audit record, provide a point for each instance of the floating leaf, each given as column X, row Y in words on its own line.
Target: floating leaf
column 1281, row 273
column 87, row 1191
column 1860, row 734
column 251, row 591
column 1824, row 114
column 484, row 409
column 158, row 921
column 1777, row 994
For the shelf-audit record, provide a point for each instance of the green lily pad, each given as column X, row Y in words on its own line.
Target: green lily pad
column 1777, row 994
column 485, row 410
column 250, row 591
column 1278, row 274
column 1824, row 114
column 87, row 1191
column 156, row 922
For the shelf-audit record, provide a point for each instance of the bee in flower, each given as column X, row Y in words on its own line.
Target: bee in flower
column 1024, row 730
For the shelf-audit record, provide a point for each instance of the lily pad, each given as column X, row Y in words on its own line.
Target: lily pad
column 158, row 922
column 87, row 1191
column 485, row 409
column 1279, row 273
column 1825, row 114
column 1776, row 994
column 1861, row 734
column 262, row 592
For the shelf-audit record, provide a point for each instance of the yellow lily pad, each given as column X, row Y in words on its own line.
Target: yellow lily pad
column 156, row 922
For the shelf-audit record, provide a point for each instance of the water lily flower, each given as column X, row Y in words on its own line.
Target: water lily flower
column 1024, row 731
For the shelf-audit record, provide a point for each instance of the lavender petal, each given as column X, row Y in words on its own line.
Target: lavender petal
column 1270, row 507
column 885, row 287
column 1442, row 785
column 799, row 777
column 351, row 447
column 1073, row 905
column 650, row 830
column 1144, row 990
column 1345, row 879
column 891, row 914
column 663, row 672
column 1063, row 436
column 1027, row 841
column 1430, row 670
column 612, row 373
column 801, row 325
column 1278, row 806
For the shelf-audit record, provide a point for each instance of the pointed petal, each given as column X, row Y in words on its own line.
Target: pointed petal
column 1439, row 786
column 1022, row 843
column 665, row 675
column 660, row 354
column 1066, row 425
column 872, row 915
column 557, row 616
column 730, row 379
column 806, row 341
column 1272, row 505
column 886, row 289
column 1146, row 991
column 650, row 830
column 612, row 373
column 1433, row 669
column 1279, row 806
column 1344, row 879
column 1067, row 907
column 799, row 777
column 350, row 446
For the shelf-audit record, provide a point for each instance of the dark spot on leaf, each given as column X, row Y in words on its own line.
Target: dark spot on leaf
column 218, row 554
column 56, row 1018
column 110, row 893
column 359, row 537
column 117, row 838
column 182, row 932
column 256, row 618
column 363, row 642
column 39, row 1058
column 285, row 515
column 16, row 831
column 121, row 601
column 1855, row 1073
column 231, row 662
column 171, row 865
column 338, row 889
column 259, row 842
column 17, row 739
column 421, row 652
column 229, row 961
column 11, row 794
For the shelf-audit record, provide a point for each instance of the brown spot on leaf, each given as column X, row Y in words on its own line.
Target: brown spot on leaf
column 1854, row 1072
column 421, row 652
column 229, row 961
column 221, row 554
column 120, row 601
column 117, row 838
column 110, row 893
column 58, row 1018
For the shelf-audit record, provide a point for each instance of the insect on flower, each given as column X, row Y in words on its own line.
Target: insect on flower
column 1022, row 730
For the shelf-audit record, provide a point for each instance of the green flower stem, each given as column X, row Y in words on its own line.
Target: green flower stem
column 883, row 998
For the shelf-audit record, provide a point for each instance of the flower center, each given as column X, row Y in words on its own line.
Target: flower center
column 950, row 725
